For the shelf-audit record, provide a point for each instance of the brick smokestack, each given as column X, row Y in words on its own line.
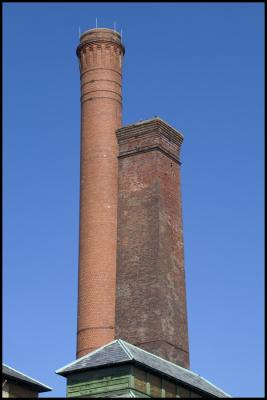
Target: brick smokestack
column 100, row 54
column 151, row 299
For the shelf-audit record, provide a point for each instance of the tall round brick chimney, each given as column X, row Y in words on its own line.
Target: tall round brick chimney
column 100, row 54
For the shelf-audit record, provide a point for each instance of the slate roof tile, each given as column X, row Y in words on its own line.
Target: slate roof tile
column 13, row 374
column 120, row 351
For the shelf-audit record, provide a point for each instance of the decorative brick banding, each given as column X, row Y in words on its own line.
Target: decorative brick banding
column 100, row 55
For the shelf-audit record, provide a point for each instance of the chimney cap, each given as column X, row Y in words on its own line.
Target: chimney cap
column 98, row 35
column 153, row 120
column 99, row 30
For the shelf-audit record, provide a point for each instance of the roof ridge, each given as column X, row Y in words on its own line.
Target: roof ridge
column 27, row 376
column 83, row 357
column 163, row 359
column 178, row 366
column 124, row 346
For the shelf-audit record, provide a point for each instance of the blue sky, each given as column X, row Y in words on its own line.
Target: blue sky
column 200, row 67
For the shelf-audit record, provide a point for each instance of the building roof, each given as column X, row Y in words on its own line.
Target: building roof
column 13, row 374
column 118, row 352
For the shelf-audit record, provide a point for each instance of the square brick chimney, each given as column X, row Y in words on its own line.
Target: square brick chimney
column 150, row 278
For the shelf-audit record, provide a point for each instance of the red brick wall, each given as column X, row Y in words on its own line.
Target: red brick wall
column 100, row 55
column 150, row 296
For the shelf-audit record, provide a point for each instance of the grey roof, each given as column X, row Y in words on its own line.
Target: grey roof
column 13, row 374
column 118, row 351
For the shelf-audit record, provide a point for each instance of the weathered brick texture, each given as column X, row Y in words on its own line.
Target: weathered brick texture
column 150, row 286
column 100, row 55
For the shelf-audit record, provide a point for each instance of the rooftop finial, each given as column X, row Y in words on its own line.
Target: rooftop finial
column 96, row 23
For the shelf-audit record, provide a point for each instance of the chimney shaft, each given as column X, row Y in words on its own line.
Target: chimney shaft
column 150, row 286
column 100, row 54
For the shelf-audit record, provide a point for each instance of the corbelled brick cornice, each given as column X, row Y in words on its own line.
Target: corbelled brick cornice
column 98, row 37
column 149, row 135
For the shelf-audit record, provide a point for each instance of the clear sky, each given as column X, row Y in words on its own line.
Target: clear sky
column 200, row 67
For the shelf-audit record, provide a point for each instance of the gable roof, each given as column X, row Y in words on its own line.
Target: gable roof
column 119, row 351
column 13, row 374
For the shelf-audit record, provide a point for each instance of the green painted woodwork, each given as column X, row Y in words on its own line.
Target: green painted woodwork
column 169, row 389
column 98, row 382
column 97, row 373
column 124, row 380
column 102, row 385
column 155, row 385
column 121, row 393
column 139, row 380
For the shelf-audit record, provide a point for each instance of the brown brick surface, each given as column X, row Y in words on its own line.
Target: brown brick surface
column 100, row 56
column 150, row 289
